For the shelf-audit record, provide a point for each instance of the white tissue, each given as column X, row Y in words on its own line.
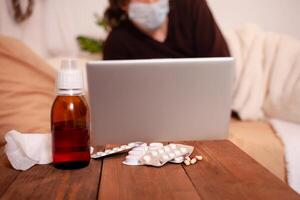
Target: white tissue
column 25, row 150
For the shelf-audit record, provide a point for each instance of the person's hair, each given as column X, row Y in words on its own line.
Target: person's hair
column 115, row 14
column 19, row 15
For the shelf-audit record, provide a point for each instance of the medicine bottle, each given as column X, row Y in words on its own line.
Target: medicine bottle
column 70, row 120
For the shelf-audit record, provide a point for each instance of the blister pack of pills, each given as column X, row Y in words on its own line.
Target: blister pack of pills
column 117, row 150
column 165, row 154
column 156, row 154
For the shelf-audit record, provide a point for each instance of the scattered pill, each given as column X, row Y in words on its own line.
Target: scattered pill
column 188, row 158
column 187, row 163
column 193, row 161
column 199, row 158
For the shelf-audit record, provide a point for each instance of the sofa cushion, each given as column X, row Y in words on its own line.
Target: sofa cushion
column 27, row 89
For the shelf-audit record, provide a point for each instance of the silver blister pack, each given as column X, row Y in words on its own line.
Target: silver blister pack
column 116, row 150
column 169, row 153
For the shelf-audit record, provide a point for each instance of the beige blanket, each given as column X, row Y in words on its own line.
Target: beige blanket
column 267, row 74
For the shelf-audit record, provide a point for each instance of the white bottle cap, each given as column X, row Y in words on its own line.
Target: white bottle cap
column 69, row 76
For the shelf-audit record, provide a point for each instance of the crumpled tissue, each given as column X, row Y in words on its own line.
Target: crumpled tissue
column 26, row 150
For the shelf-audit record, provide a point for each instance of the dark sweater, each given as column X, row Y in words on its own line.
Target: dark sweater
column 192, row 32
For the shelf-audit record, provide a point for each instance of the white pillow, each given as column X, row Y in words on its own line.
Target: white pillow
column 283, row 97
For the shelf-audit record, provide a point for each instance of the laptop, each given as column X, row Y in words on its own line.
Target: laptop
column 160, row 99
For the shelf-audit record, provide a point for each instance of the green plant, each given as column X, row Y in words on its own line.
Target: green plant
column 90, row 44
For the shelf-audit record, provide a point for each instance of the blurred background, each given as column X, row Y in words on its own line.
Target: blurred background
column 62, row 21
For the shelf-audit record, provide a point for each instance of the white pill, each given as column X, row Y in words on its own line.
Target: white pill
column 177, row 153
column 95, row 156
column 154, row 153
column 183, row 150
column 91, row 150
column 143, row 145
column 100, row 153
column 140, row 148
column 167, row 149
column 178, row 159
column 153, row 148
column 165, row 157
column 199, row 158
column 193, row 161
column 188, row 158
column 172, row 155
column 156, row 144
column 116, row 149
column 107, row 151
column 187, row 163
column 173, row 146
column 147, row 158
column 132, row 160
column 112, row 151
column 131, row 144
column 160, row 151
column 123, row 147
column 136, row 153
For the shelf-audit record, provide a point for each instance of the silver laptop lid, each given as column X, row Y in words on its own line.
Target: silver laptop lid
column 160, row 99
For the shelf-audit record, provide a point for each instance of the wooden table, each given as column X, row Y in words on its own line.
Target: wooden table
column 225, row 173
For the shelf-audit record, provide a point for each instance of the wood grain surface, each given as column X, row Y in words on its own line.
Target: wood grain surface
column 7, row 173
column 231, row 174
column 47, row 182
column 120, row 181
column 225, row 173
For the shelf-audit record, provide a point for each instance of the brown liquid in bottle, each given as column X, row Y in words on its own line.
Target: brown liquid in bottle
column 70, row 128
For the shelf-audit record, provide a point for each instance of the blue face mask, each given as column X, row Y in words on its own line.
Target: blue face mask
column 149, row 16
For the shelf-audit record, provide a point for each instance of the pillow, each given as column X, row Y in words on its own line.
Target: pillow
column 27, row 89
column 267, row 74
column 283, row 98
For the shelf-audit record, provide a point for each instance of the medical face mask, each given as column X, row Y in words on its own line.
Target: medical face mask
column 149, row 16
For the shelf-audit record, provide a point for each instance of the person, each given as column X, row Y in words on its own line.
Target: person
column 146, row 29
